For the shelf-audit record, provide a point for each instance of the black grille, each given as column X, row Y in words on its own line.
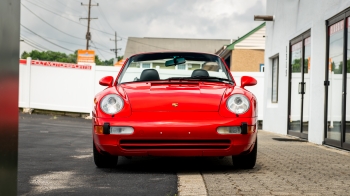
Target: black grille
column 174, row 144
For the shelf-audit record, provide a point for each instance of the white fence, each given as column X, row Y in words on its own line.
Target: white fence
column 71, row 88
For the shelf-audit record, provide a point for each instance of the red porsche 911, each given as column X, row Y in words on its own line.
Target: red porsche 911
column 175, row 104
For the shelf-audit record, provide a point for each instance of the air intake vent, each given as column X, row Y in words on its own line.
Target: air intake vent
column 174, row 144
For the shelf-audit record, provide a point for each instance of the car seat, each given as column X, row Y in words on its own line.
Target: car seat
column 149, row 75
column 199, row 73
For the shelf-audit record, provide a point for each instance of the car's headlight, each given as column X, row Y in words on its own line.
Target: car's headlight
column 238, row 103
column 111, row 104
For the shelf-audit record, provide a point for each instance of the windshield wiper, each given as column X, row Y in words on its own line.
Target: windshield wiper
column 201, row 78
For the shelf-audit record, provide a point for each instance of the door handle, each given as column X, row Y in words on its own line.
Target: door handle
column 302, row 87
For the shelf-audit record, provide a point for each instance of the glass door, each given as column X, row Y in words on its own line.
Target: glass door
column 347, row 89
column 337, row 83
column 300, row 61
column 306, row 90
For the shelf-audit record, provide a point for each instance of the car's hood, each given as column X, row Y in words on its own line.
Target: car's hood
column 196, row 96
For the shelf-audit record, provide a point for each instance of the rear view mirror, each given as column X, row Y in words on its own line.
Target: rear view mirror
column 248, row 81
column 106, row 81
column 175, row 61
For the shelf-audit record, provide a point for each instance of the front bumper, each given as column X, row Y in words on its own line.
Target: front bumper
column 175, row 134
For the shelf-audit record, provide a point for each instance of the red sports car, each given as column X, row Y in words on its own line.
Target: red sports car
column 175, row 104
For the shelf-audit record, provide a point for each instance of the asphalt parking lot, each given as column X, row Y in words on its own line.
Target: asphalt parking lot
column 55, row 158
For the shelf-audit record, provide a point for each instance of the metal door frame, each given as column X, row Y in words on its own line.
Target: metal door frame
column 301, row 38
column 341, row 143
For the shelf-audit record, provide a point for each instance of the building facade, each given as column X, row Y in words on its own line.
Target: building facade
column 307, row 70
column 246, row 54
column 153, row 44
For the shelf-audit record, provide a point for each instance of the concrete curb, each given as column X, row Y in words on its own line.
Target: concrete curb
column 191, row 183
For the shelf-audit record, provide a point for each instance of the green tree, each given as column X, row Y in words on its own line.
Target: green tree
column 62, row 57
column 50, row 56
column 97, row 60
column 110, row 62
column 296, row 66
column 339, row 69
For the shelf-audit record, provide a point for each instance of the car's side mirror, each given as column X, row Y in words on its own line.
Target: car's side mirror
column 106, row 81
column 248, row 81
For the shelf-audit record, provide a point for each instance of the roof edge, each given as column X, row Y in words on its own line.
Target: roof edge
column 232, row 45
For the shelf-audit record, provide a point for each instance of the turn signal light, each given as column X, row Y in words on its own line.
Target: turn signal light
column 236, row 129
column 99, row 129
column 229, row 130
column 251, row 129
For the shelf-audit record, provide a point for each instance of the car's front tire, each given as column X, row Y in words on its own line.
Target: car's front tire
column 103, row 161
column 246, row 161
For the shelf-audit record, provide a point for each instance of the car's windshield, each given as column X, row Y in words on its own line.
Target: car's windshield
column 174, row 66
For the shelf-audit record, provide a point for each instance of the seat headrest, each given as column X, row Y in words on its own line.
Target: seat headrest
column 149, row 74
column 200, row 72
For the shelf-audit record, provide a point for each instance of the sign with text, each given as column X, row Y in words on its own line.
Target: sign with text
column 56, row 64
column 86, row 56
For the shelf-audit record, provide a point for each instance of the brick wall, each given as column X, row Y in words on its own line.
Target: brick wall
column 246, row 60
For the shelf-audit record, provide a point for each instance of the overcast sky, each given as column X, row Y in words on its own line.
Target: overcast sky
column 208, row 19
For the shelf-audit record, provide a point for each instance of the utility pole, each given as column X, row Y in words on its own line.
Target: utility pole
column 88, row 34
column 116, row 48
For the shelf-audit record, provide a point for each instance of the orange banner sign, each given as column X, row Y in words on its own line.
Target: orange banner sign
column 86, row 56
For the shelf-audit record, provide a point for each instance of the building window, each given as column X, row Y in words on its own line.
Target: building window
column 181, row 66
column 146, row 66
column 274, row 97
column 262, row 68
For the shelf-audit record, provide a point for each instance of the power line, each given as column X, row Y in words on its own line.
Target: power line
column 33, row 46
column 116, row 48
column 88, row 34
column 103, row 15
column 48, row 5
column 23, row 30
column 31, row 43
column 50, row 24
column 101, row 49
column 67, row 18
column 102, row 45
column 98, row 25
column 34, row 43
column 97, row 29
column 59, row 1
column 77, row 44
column 93, row 22
column 98, row 50
column 57, row 9
column 46, row 39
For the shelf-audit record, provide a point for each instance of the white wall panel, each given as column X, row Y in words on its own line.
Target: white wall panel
column 61, row 89
column 72, row 90
column 292, row 18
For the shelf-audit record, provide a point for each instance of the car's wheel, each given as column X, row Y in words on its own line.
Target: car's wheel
column 246, row 161
column 103, row 161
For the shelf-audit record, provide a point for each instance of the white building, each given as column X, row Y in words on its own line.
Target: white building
column 307, row 45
